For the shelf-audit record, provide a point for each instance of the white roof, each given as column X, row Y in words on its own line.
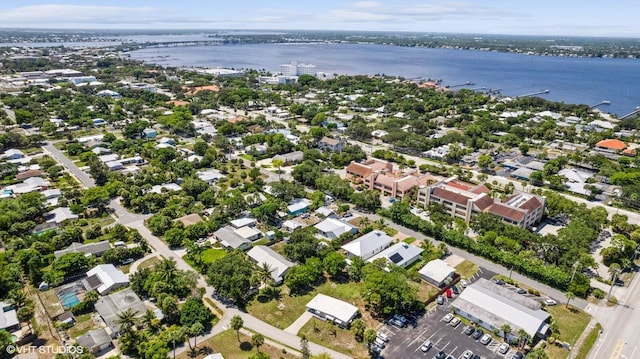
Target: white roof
column 214, row 356
column 437, row 269
column 109, row 275
column 243, row 221
column 336, row 308
column 279, row 265
column 325, row 211
column 247, row 232
column 334, row 226
column 59, row 215
column 109, row 157
column 9, row 318
column 292, row 224
column 210, row 175
column 400, row 254
column 168, row 186
column 298, row 204
column 368, row 243
column 496, row 306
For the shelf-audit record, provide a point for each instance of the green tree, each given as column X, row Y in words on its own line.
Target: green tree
column 334, row 263
column 127, row 320
column 366, row 200
column 257, row 340
column 505, row 329
column 537, row 353
column 358, row 327
column 196, row 330
column 278, row 163
column 95, row 197
column 370, row 336
column 194, row 311
column 304, row 347
column 232, row 276
column 485, row 161
column 236, row 324
column 570, row 296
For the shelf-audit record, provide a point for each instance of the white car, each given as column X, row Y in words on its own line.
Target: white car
column 379, row 342
column 467, row 354
column 550, row 302
column 454, row 322
column 447, row 318
column 503, row 348
column 486, row 339
column 426, row 346
column 382, row 336
column 463, row 283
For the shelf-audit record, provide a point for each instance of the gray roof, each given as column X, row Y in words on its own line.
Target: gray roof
column 228, row 238
column 95, row 249
column 279, row 265
column 113, row 304
column 400, row 254
column 368, row 243
column 522, row 173
column 295, row 156
column 496, row 305
column 60, row 215
column 94, row 339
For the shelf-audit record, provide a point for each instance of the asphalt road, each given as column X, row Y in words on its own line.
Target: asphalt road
column 136, row 221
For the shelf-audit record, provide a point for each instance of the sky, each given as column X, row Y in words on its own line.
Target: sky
column 517, row 17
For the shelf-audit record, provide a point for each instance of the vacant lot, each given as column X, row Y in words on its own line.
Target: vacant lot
column 228, row 345
column 571, row 322
column 334, row 337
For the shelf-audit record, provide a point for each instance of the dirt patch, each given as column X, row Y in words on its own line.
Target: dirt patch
column 453, row 260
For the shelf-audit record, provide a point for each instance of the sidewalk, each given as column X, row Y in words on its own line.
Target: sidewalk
column 576, row 347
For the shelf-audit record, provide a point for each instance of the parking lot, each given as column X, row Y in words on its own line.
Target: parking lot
column 407, row 342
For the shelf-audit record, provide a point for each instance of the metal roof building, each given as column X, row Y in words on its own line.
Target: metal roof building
column 437, row 272
column 278, row 264
column 332, row 309
column 492, row 306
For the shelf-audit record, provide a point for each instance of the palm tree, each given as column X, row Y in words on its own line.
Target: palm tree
column 167, row 270
column 126, row 319
column 570, row 296
column 175, row 334
column 91, row 296
column 278, row 163
column 264, row 273
column 147, row 319
column 236, row 324
column 525, row 338
column 195, row 330
column 506, row 329
column 257, row 340
column 364, row 222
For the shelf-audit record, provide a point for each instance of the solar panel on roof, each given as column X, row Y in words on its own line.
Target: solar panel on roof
column 396, row 258
column 94, row 281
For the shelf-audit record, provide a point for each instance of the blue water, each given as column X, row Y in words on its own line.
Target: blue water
column 68, row 297
column 570, row 80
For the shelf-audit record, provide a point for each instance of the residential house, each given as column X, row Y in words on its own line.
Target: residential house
column 290, row 158
column 96, row 340
column 149, row 133
column 291, row 225
column 331, row 144
column 298, row 206
column 243, row 221
column 167, row 187
column 437, row 272
column 368, row 245
column 333, row 310
column 109, row 307
column 228, row 238
column 60, row 215
column 105, row 278
column 248, row 233
column 400, row 254
column 332, row 228
column 8, row 317
column 12, row 154
column 264, row 255
column 325, row 212
column 210, row 176
column 89, row 249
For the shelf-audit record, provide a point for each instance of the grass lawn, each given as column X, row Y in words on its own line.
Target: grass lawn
column 334, row 337
column 466, row 269
column 51, row 303
column 83, row 324
column 247, row 156
column 588, row 343
column 148, row 262
column 409, row 240
column 425, row 290
column 261, row 242
column 227, row 344
column 213, row 254
column 571, row 322
column 281, row 313
column 556, row 352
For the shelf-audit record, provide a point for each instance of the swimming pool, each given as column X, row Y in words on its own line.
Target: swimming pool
column 68, row 295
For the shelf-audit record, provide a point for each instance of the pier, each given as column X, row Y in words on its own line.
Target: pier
column 182, row 43
column 541, row 92
column 603, row 102
column 468, row 83
column 634, row 112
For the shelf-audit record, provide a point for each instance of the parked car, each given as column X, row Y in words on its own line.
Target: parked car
column 396, row 323
column 440, row 355
column 477, row 334
column 518, row 355
column 463, row 283
column 455, row 290
column 426, row 346
column 549, row 301
column 486, row 339
column 468, row 331
column 521, row 291
column 476, row 356
column 467, row 354
column 454, row 322
column 450, row 357
column 379, row 342
column 503, row 348
column 375, row 349
column 400, row 318
column 440, row 299
column 500, row 282
column 447, row 318
column 382, row 336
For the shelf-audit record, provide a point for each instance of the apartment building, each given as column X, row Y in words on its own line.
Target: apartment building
column 380, row 175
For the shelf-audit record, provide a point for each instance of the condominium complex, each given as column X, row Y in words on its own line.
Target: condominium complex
column 464, row 200
column 296, row 69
